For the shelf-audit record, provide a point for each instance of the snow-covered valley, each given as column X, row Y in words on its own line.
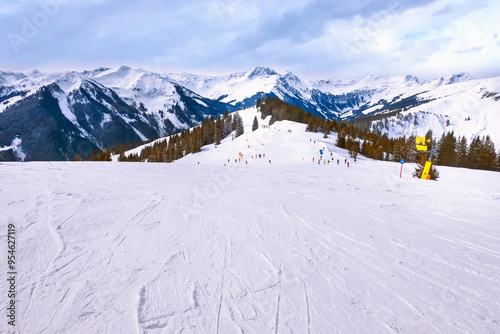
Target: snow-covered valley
column 204, row 245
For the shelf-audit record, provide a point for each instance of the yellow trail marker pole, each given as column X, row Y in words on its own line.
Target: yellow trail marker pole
column 422, row 146
column 426, row 171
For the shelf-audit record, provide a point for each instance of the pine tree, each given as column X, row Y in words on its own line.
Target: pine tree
column 498, row 161
column 474, row 158
column 208, row 131
column 218, row 131
column 258, row 103
column 235, row 119
column 366, row 148
column 224, row 132
column 311, row 126
column 340, row 140
column 228, row 125
column 255, row 124
column 197, row 140
column 462, row 152
column 352, row 146
column 107, row 155
column 327, row 128
column 487, row 154
column 238, row 125
column 446, row 150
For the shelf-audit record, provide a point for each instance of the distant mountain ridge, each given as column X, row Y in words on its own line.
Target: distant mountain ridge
column 410, row 105
column 59, row 115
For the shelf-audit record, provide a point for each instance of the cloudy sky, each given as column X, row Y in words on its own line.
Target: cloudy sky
column 312, row 38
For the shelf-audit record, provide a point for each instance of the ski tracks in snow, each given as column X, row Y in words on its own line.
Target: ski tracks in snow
column 271, row 253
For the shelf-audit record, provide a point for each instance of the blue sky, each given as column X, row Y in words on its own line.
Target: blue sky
column 316, row 38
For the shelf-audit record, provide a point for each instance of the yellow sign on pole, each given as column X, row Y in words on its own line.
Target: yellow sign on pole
column 421, row 146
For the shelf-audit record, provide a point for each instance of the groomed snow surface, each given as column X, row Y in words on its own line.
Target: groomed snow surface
column 286, row 247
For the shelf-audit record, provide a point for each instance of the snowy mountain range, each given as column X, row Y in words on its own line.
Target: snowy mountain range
column 55, row 116
column 404, row 105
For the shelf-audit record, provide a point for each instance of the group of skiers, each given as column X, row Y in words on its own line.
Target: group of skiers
column 332, row 161
column 240, row 158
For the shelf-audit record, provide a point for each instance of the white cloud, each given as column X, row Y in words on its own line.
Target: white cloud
column 322, row 38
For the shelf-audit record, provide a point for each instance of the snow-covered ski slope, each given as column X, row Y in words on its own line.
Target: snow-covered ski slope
column 286, row 247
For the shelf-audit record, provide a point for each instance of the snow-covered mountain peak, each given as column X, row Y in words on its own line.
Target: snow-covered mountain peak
column 262, row 71
column 380, row 83
column 412, row 80
column 93, row 73
column 236, row 75
column 291, row 77
column 34, row 73
column 456, row 78
column 69, row 81
column 124, row 77
column 10, row 77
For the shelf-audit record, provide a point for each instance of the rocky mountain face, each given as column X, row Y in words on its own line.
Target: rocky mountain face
column 59, row 116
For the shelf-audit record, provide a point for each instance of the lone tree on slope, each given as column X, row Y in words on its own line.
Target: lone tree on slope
column 255, row 124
